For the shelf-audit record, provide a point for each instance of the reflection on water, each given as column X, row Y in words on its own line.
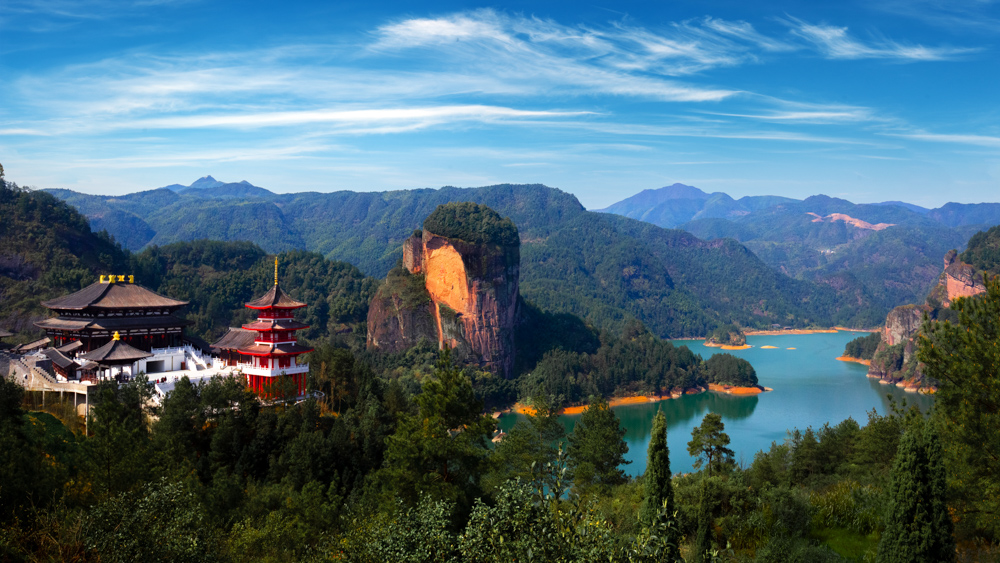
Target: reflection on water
column 810, row 388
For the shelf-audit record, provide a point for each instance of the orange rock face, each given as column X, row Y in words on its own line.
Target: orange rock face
column 474, row 298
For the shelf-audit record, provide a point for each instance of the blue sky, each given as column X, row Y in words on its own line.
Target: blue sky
column 870, row 101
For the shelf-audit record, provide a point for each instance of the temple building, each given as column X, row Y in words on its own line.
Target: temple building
column 91, row 316
column 267, row 347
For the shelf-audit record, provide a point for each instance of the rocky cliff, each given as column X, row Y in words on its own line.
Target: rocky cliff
column 468, row 260
column 895, row 359
column 959, row 279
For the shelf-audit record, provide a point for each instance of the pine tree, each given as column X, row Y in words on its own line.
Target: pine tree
column 709, row 443
column 659, row 488
column 918, row 527
column 597, row 447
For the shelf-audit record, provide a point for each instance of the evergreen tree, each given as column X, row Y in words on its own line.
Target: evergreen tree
column 709, row 444
column 703, row 537
column 597, row 447
column 659, row 495
column 918, row 527
column 657, row 484
column 439, row 452
column 965, row 358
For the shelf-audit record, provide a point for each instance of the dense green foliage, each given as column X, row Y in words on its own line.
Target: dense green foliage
column 863, row 347
column 727, row 369
column 605, row 269
column 47, row 249
column 597, row 447
column 918, row 526
column 404, row 474
column 727, row 335
column 217, row 278
column 472, row 222
column 983, row 251
column 965, row 357
column 634, row 363
column 889, row 267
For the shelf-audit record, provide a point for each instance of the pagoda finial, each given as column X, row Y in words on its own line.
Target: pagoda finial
column 275, row 270
column 117, row 336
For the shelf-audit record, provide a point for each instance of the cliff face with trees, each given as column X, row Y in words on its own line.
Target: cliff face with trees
column 895, row 358
column 458, row 287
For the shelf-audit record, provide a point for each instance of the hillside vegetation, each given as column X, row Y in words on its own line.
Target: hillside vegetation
column 891, row 265
column 606, row 269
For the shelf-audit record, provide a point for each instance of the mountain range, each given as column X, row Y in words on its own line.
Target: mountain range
column 604, row 268
column 892, row 249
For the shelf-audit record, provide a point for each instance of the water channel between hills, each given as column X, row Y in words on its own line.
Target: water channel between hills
column 811, row 387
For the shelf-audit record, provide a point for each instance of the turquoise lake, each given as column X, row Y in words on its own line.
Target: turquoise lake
column 811, row 387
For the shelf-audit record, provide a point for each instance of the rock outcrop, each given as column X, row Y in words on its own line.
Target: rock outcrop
column 959, row 279
column 895, row 359
column 470, row 289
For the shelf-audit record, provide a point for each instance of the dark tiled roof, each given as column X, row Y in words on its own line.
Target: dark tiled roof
column 116, row 351
column 275, row 298
column 36, row 345
column 71, row 347
column 112, row 323
column 277, row 350
column 112, row 296
column 275, row 324
column 4, row 333
column 58, row 358
column 235, row 339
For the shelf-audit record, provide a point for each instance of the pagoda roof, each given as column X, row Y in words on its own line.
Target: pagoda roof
column 274, row 350
column 275, row 298
column 275, row 324
column 112, row 296
column 4, row 333
column 111, row 323
column 58, row 358
column 116, row 352
column 71, row 347
column 32, row 346
column 235, row 339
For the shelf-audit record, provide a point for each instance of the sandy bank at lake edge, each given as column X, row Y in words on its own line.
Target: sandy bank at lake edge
column 640, row 399
column 735, row 390
column 855, row 360
column 791, row 331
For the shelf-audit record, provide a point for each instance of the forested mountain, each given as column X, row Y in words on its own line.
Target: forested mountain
column 890, row 250
column 606, row 269
column 47, row 249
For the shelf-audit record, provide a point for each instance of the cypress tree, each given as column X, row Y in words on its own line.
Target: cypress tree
column 658, row 486
column 918, row 528
column 703, row 537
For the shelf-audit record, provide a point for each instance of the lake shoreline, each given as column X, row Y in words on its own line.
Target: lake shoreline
column 735, row 390
column 854, row 360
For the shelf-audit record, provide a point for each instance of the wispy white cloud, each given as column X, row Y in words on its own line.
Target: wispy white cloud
column 964, row 139
column 836, row 43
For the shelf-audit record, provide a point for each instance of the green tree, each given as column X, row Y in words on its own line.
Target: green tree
column 965, row 358
column 918, row 527
column 439, row 452
column 709, row 444
column 163, row 523
column 532, row 443
column 706, row 526
column 659, row 489
column 597, row 447
column 117, row 455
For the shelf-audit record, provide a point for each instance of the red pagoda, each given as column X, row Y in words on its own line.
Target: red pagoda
column 273, row 355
